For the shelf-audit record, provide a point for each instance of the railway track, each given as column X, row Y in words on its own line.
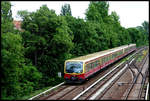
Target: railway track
column 98, row 89
column 141, row 71
column 132, row 87
column 57, row 94
column 89, row 89
column 102, row 88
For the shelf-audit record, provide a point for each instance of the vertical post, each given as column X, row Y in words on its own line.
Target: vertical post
column 59, row 74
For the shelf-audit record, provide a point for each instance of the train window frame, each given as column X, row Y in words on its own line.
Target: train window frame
column 94, row 64
column 103, row 60
column 100, row 61
column 97, row 63
column 87, row 67
column 107, row 58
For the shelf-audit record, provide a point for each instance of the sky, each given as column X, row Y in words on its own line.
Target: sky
column 131, row 13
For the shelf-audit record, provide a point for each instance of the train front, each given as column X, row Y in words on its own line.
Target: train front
column 74, row 72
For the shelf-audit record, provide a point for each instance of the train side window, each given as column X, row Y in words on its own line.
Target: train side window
column 104, row 60
column 92, row 65
column 97, row 63
column 86, row 69
column 89, row 67
column 109, row 57
column 100, row 61
column 113, row 55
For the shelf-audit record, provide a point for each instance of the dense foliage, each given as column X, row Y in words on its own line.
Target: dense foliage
column 32, row 58
column 18, row 77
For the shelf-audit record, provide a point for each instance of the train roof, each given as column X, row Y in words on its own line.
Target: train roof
column 98, row 54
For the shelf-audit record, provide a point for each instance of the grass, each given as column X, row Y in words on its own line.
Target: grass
column 144, row 52
column 125, row 59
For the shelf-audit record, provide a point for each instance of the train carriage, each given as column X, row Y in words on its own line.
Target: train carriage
column 78, row 69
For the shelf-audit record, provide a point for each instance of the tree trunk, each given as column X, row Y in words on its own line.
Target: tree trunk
column 35, row 58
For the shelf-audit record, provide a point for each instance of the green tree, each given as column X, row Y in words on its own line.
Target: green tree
column 13, row 65
column 6, row 17
column 115, row 17
column 97, row 11
column 136, row 36
column 66, row 10
column 12, row 59
column 144, row 28
column 14, row 83
column 48, row 40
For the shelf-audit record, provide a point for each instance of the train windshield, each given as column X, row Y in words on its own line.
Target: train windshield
column 74, row 67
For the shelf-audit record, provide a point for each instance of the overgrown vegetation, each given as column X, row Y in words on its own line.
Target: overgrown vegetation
column 32, row 58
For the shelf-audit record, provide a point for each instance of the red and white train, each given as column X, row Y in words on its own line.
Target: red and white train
column 78, row 69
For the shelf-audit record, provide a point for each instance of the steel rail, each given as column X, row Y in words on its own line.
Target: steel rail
column 75, row 98
column 144, row 80
column 97, row 81
column 46, row 91
column 141, row 89
column 134, row 81
column 66, row 93
column 53, row 93
column 109, row 82
column 103, row 83
column 42, row 93
column 146, row 96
